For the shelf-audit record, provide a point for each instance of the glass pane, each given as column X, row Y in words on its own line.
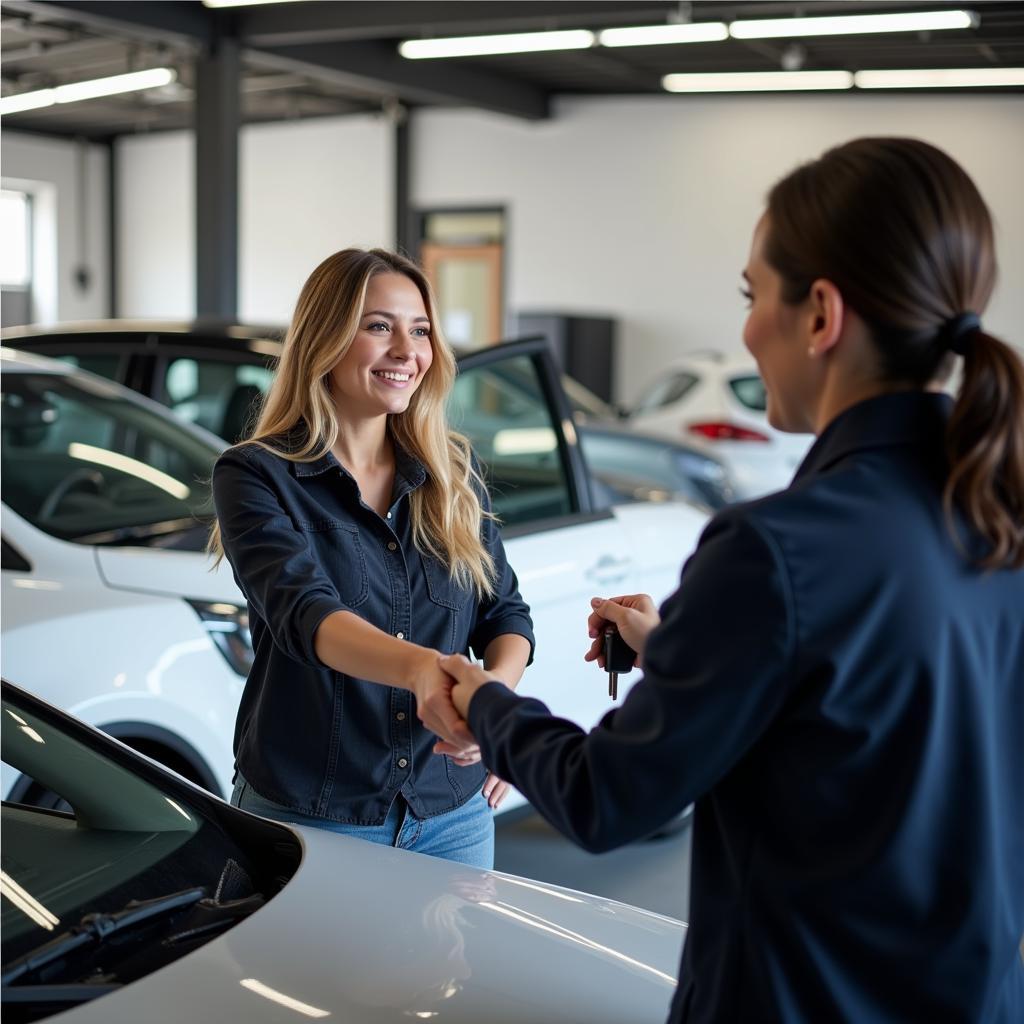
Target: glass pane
column 501, row 408
column 82, row 463
column 221, row 396
column 464, row 298
column 750, row 391
column 15, row 264
column 102, row 365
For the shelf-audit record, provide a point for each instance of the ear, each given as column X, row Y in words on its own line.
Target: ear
column 826, row 312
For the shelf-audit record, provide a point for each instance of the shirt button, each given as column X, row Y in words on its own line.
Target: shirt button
column 400, row 635
column 392, row 546
column 388, row 516
column 402, row 762
column 400, row 716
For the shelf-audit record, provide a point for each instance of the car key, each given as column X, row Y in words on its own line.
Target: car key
column 618, row 657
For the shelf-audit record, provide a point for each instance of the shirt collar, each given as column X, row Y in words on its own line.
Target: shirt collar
column 902, row 418
column 410, row 473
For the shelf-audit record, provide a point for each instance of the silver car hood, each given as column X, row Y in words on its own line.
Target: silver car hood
column 364, row 934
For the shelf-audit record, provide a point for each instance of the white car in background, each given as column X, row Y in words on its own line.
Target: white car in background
column 720, row 399
column 112, row 613
column 148, row 901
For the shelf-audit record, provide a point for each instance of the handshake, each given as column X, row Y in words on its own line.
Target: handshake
column 446, row 684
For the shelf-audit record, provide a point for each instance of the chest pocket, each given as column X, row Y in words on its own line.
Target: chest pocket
column 339, row 550
column 445, row 593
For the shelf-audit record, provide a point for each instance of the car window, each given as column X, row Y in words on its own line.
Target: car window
column 69, row 877
column 103, row 364
column 502, row 409
column 219, row 395
column 749, row 390
column 80, row 462
column 665, row 392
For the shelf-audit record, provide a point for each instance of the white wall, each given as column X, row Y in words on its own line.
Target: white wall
column 642, row 207
column 306, row 189
column 69, row 182
column 156, row 225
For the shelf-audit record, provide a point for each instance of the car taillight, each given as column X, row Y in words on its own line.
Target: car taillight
column 720, row 431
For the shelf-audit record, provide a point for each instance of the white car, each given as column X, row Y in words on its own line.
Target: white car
column 720, row 399
column 112, row 613
column 148, row 901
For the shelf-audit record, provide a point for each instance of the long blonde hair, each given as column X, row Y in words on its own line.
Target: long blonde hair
column 446, row 510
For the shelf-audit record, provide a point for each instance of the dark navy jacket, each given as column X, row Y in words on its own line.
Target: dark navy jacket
column 302, row 545
column 843, row 696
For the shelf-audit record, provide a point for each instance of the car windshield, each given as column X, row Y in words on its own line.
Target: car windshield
column 126, row 857
column 81, row 462
column 749, row 390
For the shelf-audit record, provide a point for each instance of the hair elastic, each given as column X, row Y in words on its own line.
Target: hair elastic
column 959, row 331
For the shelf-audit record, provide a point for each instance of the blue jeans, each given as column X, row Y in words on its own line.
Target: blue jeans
column 464, row 835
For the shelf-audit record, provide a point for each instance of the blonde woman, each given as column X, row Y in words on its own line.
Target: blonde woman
column 359, row 530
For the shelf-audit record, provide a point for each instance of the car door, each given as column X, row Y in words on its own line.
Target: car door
column 563, row 545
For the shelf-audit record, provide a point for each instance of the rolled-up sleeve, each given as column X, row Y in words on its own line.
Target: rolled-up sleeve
column 270, row 557
column 504, row 611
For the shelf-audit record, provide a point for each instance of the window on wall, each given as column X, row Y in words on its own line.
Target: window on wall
column 463, row 255
column 16, row 257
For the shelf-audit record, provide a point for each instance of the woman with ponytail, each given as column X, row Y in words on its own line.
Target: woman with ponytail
column 838, row 682
column 359, row 530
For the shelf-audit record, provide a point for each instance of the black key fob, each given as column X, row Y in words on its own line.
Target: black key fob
column 618, row 657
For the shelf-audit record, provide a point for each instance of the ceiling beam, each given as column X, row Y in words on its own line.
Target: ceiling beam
column 333, row 21
column 377, row 68
column 173, row 21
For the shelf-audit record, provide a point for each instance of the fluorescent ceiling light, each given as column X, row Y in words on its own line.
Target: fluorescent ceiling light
column 939, row 78
column 852, row 24
column 758, row 81
column 519, row 42
column 242, row 3
column 656, row 35
column 131, row 82
column 27, row 101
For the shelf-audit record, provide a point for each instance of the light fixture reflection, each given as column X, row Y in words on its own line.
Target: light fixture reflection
column 279, row 997
column 124, row 464
column 544, row 889
column 533, row 921
column 27, row 903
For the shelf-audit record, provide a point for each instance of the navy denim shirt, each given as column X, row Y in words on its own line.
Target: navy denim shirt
column 302, row 545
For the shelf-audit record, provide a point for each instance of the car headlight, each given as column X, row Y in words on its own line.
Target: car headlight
column 228, row 626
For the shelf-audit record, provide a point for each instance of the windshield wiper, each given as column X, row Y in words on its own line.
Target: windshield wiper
column 95, row 928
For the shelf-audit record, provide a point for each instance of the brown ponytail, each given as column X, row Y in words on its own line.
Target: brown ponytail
column 903, row 233
column 985, row 443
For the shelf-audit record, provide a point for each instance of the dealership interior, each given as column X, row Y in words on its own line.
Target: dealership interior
column 580, row 183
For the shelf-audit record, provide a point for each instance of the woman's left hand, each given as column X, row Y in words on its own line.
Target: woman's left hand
column 495, row 790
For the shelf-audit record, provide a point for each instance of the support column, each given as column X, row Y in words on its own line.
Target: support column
column 405, row 235
column 216, row 127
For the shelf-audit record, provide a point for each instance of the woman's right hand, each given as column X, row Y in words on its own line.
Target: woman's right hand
column 432, row 688
column 634, row 615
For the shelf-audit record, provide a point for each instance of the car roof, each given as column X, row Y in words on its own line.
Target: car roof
column 213, row 328
column 14, row 361
column 729, row 363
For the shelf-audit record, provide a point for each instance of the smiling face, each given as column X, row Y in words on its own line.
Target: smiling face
column 390, row 354
column 776, row 336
